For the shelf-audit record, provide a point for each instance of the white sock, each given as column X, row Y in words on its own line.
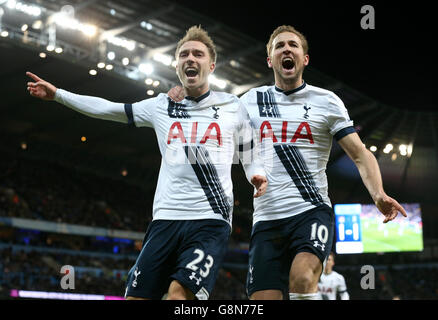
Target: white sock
column 304, row 296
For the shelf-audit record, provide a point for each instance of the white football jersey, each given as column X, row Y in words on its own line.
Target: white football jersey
column 331, row 284
column 296, row 129
column 199, row 140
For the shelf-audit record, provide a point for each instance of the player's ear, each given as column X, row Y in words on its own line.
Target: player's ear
column 306, row 60
column 268, row 60
column 212, row 67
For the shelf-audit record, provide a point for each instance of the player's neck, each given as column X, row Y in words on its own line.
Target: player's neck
column 287, row 85
column 328, row 272
column 196, row 92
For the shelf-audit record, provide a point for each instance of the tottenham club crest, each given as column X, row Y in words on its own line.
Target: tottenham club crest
column 216, row 109
column 306, row 115
column 136, row 274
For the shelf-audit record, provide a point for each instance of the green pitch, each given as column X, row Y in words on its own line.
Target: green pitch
column 392, row 237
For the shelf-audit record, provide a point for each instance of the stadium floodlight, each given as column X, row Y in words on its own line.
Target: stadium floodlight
column 163, row 58
column 101, row 65
column 59, row 50
column 64, row 21
column 4, row 33
column 148, row 81
column 121, row 42
column 373, row 148
column 409, row 150
column 92, row 72
column 43, row 55
column 156, row 83
column 222, row 84
column 50, row 47
column 109, row 67
column 29, row 9
column 174, row 63
column 146, row 25
column 111, row 55
column 113, row 12
column 388, row 148
column 150, row 92
column 125, row 61
column 24, row 27
column 37, row 24
column 146, row 68
column 403, row 149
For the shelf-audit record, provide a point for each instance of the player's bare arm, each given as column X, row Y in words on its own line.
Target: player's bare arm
column 370, row 173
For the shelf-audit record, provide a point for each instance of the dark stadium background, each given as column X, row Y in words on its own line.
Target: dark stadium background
column 385, row 77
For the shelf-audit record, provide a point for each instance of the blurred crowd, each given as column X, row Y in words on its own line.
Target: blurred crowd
column 38, row 190
column 409, row 282
column 37, row 271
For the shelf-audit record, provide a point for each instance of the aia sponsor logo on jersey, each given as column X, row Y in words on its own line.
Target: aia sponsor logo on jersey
column 176, row 131
column 302, row 132
column 325, row 290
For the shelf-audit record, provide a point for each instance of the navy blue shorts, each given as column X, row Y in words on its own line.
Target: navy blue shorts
column 274, row 244
column 190, row 251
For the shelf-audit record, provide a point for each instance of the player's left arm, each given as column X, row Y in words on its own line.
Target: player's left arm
column 342, row 289
column 370, row 173
column 344, row 295
column 249, row 153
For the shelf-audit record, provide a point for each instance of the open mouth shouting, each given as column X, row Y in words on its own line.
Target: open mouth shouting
column 191, row 72
column 288, row 64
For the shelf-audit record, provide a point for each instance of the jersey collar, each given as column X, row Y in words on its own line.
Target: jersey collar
column 291, row 91
column 198, row 99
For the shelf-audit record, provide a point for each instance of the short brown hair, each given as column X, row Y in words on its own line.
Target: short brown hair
column 196, row 33
column 285, row 28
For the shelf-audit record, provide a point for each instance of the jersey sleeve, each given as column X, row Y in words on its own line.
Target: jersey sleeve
column 142, row 113
column 94, row 107
column 342, row 289
column 248, row 145
column 339, row 121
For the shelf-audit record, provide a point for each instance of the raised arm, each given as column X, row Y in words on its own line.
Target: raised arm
column 91, row 106
column 370, row 173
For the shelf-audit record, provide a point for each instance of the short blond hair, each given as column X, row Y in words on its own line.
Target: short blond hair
column 285, row 28
column 196, row 33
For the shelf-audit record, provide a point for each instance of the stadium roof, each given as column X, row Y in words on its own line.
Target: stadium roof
column 146, row 32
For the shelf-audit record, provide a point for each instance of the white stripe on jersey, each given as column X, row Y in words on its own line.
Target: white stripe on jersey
column 306, row 108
